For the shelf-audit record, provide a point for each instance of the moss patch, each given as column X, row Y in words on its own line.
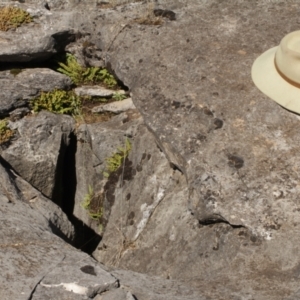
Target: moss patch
column 5, row 132
column 13, row 17
column 57, row 101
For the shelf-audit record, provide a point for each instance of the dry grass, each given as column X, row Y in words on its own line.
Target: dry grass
column 5, row 132
column 13, row 17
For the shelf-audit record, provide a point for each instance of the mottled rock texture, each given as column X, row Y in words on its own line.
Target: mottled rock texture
column 96, row 143
column 211, row 192
column 37, row 264
column 237, row 149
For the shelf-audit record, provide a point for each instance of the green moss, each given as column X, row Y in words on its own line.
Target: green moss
column 5, row 132
column 57, row 101
column 80, row 75
column 12, row 17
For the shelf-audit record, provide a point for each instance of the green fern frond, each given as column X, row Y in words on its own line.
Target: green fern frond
column 81, row 75
column 57, row 101
column 114, row 162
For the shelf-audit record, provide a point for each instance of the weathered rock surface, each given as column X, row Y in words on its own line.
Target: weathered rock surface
column 190, row 79
column 36, row 264
column 155, row 288
column 96, row 143
column 28, row 248
column 115, row 107
column 94, row 91
column 17, row 89
column 49, row 33
column 218, row 206
column 38, row 152
column 136, row 200
column 118, row 294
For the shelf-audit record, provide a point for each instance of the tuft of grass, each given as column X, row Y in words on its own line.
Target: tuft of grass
column 114, row 162
column 90, row 203
column 57, row 101
column 12, row 17
column 5, row 132
column 119, row 96
column 80, row 75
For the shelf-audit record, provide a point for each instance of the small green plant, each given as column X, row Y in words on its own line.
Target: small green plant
column 114, row 162
column 88, row 198
column 94, row 209
column 5, row 132
column 108, row 79
column 81, row 75
column 119, row 96
column 57, row 101
column 12, row 17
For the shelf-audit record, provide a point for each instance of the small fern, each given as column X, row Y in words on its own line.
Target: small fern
column 119, row 96
column 71, row 68
column 81, row 75
column 114, row 162
column 57, row 101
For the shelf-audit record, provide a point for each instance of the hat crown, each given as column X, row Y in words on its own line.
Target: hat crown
column 287, row 58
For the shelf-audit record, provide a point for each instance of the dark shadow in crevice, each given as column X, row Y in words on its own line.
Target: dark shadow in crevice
column 86, row 239
column 216, row 220
column 175, row 168
column 68, row 180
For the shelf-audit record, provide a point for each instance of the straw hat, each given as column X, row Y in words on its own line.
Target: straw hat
column 277, row 72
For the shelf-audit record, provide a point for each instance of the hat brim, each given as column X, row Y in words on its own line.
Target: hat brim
column 269, row 81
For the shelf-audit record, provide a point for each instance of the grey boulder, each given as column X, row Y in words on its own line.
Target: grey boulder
column 19, row 86
column 96, row 143
column 38, row 152
column 115, row 107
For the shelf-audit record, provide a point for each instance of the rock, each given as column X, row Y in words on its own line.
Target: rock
column 96, row 143
column 94, row 91
column 57, row 220
column 237, row 149
column 36, row 264
column 224, row 213
column 115, row 107
column 118, row 294
column 18, row 86
column 38, row 154
column 85, row 278
column 185, row 126
column 156, row 288
column 147, row 179
column 37, row 41
column 28, row 248
column 43, row 79
column 18, row 113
